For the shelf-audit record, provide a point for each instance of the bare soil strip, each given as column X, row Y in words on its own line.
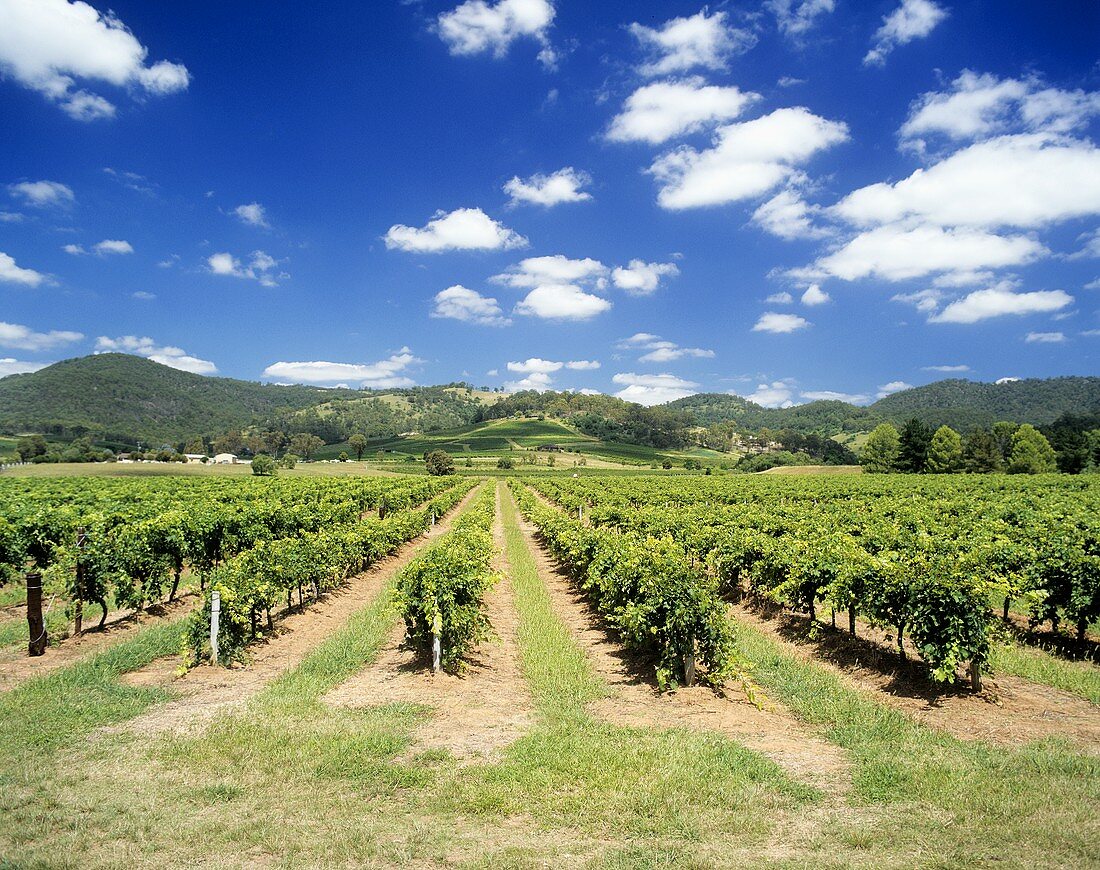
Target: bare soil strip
column 1010, row 711
column 636, row 701
column 475, row 714
column 16, row 666
column 208, row 690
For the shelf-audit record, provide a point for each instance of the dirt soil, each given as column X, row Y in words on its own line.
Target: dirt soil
column 206, row 691
column 636, row 701
column 475, row 714
column 16, row 666
column 1010, row 711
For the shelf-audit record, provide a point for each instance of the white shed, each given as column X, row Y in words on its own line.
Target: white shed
column 225, row 459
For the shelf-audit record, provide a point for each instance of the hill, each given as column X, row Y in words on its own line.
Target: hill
column 119, row 397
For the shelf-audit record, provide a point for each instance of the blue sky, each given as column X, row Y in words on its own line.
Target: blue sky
column 785, row 200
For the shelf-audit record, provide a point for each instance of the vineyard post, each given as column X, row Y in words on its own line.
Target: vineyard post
column 580, row 513
column 78, row 604
column 215, row 613
column 432, row 526
column 975, row 676
column 437, row 640
column 689, row 664
column 35, row 624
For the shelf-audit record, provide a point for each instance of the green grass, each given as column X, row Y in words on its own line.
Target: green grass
column 1039, row 666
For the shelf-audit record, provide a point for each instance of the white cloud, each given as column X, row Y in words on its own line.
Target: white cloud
column 962, row 278
column 777, row 394
column 143, row 295
column 167, row 355
column 1000, row 300
column 895, row 253
column 548, row 190
column 479, row 27
column 464, row 229
column 74, row 250
column 384, row 374
column 14, row 274
column 583, row 365
column 535, row 364
column 781, row 298
column 260, row 267
column 913, row 19
column 774, row 322
column 1091, row 333
column 47, row 45
column 1090, row 248
column 640, row 278
column 892, row 387
column 672, row 352
column 1028, row 180
column 460, row 303
column 796, row 17
column 113, row 246
column 556, row 269
column 700, row 40
column 814, row 295
column 24, row 338
column 788, row 216
column 663, row 110
column 835, row 396
column 639, row 339
column 1045, row 337
column 561, row 302
column 10, row 217
column 923, row 300
column 946, row 369
column 652, row 389
column 535, row 381
column 253, row 214
column 11, row 366
column 746, row 161
column 981, row 105
column 41, row 194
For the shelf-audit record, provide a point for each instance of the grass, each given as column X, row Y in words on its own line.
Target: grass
column 1039, row 666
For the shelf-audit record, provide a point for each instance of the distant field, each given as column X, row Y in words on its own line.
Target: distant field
column 814, row 469
column 166, row 469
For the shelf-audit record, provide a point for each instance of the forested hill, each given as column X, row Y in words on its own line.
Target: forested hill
column 958, row 403
column 122, row 397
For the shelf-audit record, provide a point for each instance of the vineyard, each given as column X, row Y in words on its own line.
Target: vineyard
column 535, row 663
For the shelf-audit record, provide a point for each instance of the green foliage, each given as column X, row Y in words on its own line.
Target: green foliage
column 945, row 454
column 289, row 460
column 980, row 453
column 1031, row 452
column 358, row 443
column 439, row 462
column 506, row 462
column 880, row 453
column 263, row 465
column 916, row 437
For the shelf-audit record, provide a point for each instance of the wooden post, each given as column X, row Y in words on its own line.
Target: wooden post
column 689, row 665
column 437, row 641
column 975, row 676
column 78, row 604
column 215, row 614
column 35, row 624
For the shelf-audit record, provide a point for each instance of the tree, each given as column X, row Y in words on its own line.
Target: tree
column 305, row 445
column 343, row 456
column 980, row 453
column 289, row 460
column 915, row 438
column 263, row 465
column 30, row 446
column 1031, row 452
column 357, row 443
column 880, row 453
column 505, row 462
column 945, row 454
column 439, row 462
column 1002, row 437
column 195, row 446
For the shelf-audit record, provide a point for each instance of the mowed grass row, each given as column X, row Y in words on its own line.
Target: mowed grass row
column 292, row 780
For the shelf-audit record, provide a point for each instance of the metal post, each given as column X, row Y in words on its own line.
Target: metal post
column 78, row 604
column 215, row 614
column 35, row 624
column 433, row 519
column 437, row 641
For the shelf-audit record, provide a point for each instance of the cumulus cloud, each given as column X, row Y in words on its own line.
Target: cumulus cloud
column 11, row 366
column 555, row 269
column 913, row 19
column 747, row 159
column 1000, row 300
column 48, row 45
column 892, row 387
column 545, row 366
column 479, row 27
column 897, row 253
column 168, row 355
column 781, row 298
column 464, row 229
column 1026, row 180
column 539, row 381
column 700, row 40
column 947, row 369
column 561, row 302
column 384, row 374
column 794, row 18
column 836, row 396
column 660, row 111
column 253, row 214
column 1090, row 248
column 23, row 338
column 978, row 106
column 14, row 274
column 659, row 349
column 143, row 295
column 260, row 267
column 461, row 303
column 1045, row 337
column 113, row 246
column 777, row 394
column 652, row 389
column 43, row 194
column 814, row 295
column 774, row 322
column 923, row 300
column 548, row 190
column 788, row 216
column 639, row 278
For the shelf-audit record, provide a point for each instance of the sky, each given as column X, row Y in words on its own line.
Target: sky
column 787, row 200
